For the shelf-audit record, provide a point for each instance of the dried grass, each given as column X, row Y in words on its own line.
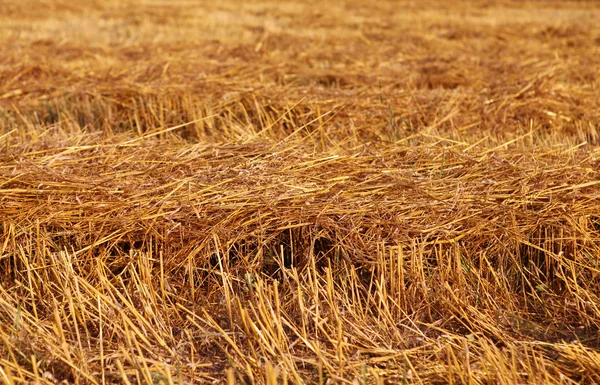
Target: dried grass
column 299, row 193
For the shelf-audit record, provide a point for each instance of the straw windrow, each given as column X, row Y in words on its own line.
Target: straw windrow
column 384, row 193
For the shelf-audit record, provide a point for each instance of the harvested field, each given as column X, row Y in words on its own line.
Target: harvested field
column 324, row 192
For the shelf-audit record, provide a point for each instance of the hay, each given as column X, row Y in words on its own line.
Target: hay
column 369, row 193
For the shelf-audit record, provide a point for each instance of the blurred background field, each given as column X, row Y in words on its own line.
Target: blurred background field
column 299, row 192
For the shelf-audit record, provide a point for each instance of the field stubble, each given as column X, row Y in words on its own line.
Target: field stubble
column 385, row 192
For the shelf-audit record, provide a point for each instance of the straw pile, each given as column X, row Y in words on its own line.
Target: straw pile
column 265, row 193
